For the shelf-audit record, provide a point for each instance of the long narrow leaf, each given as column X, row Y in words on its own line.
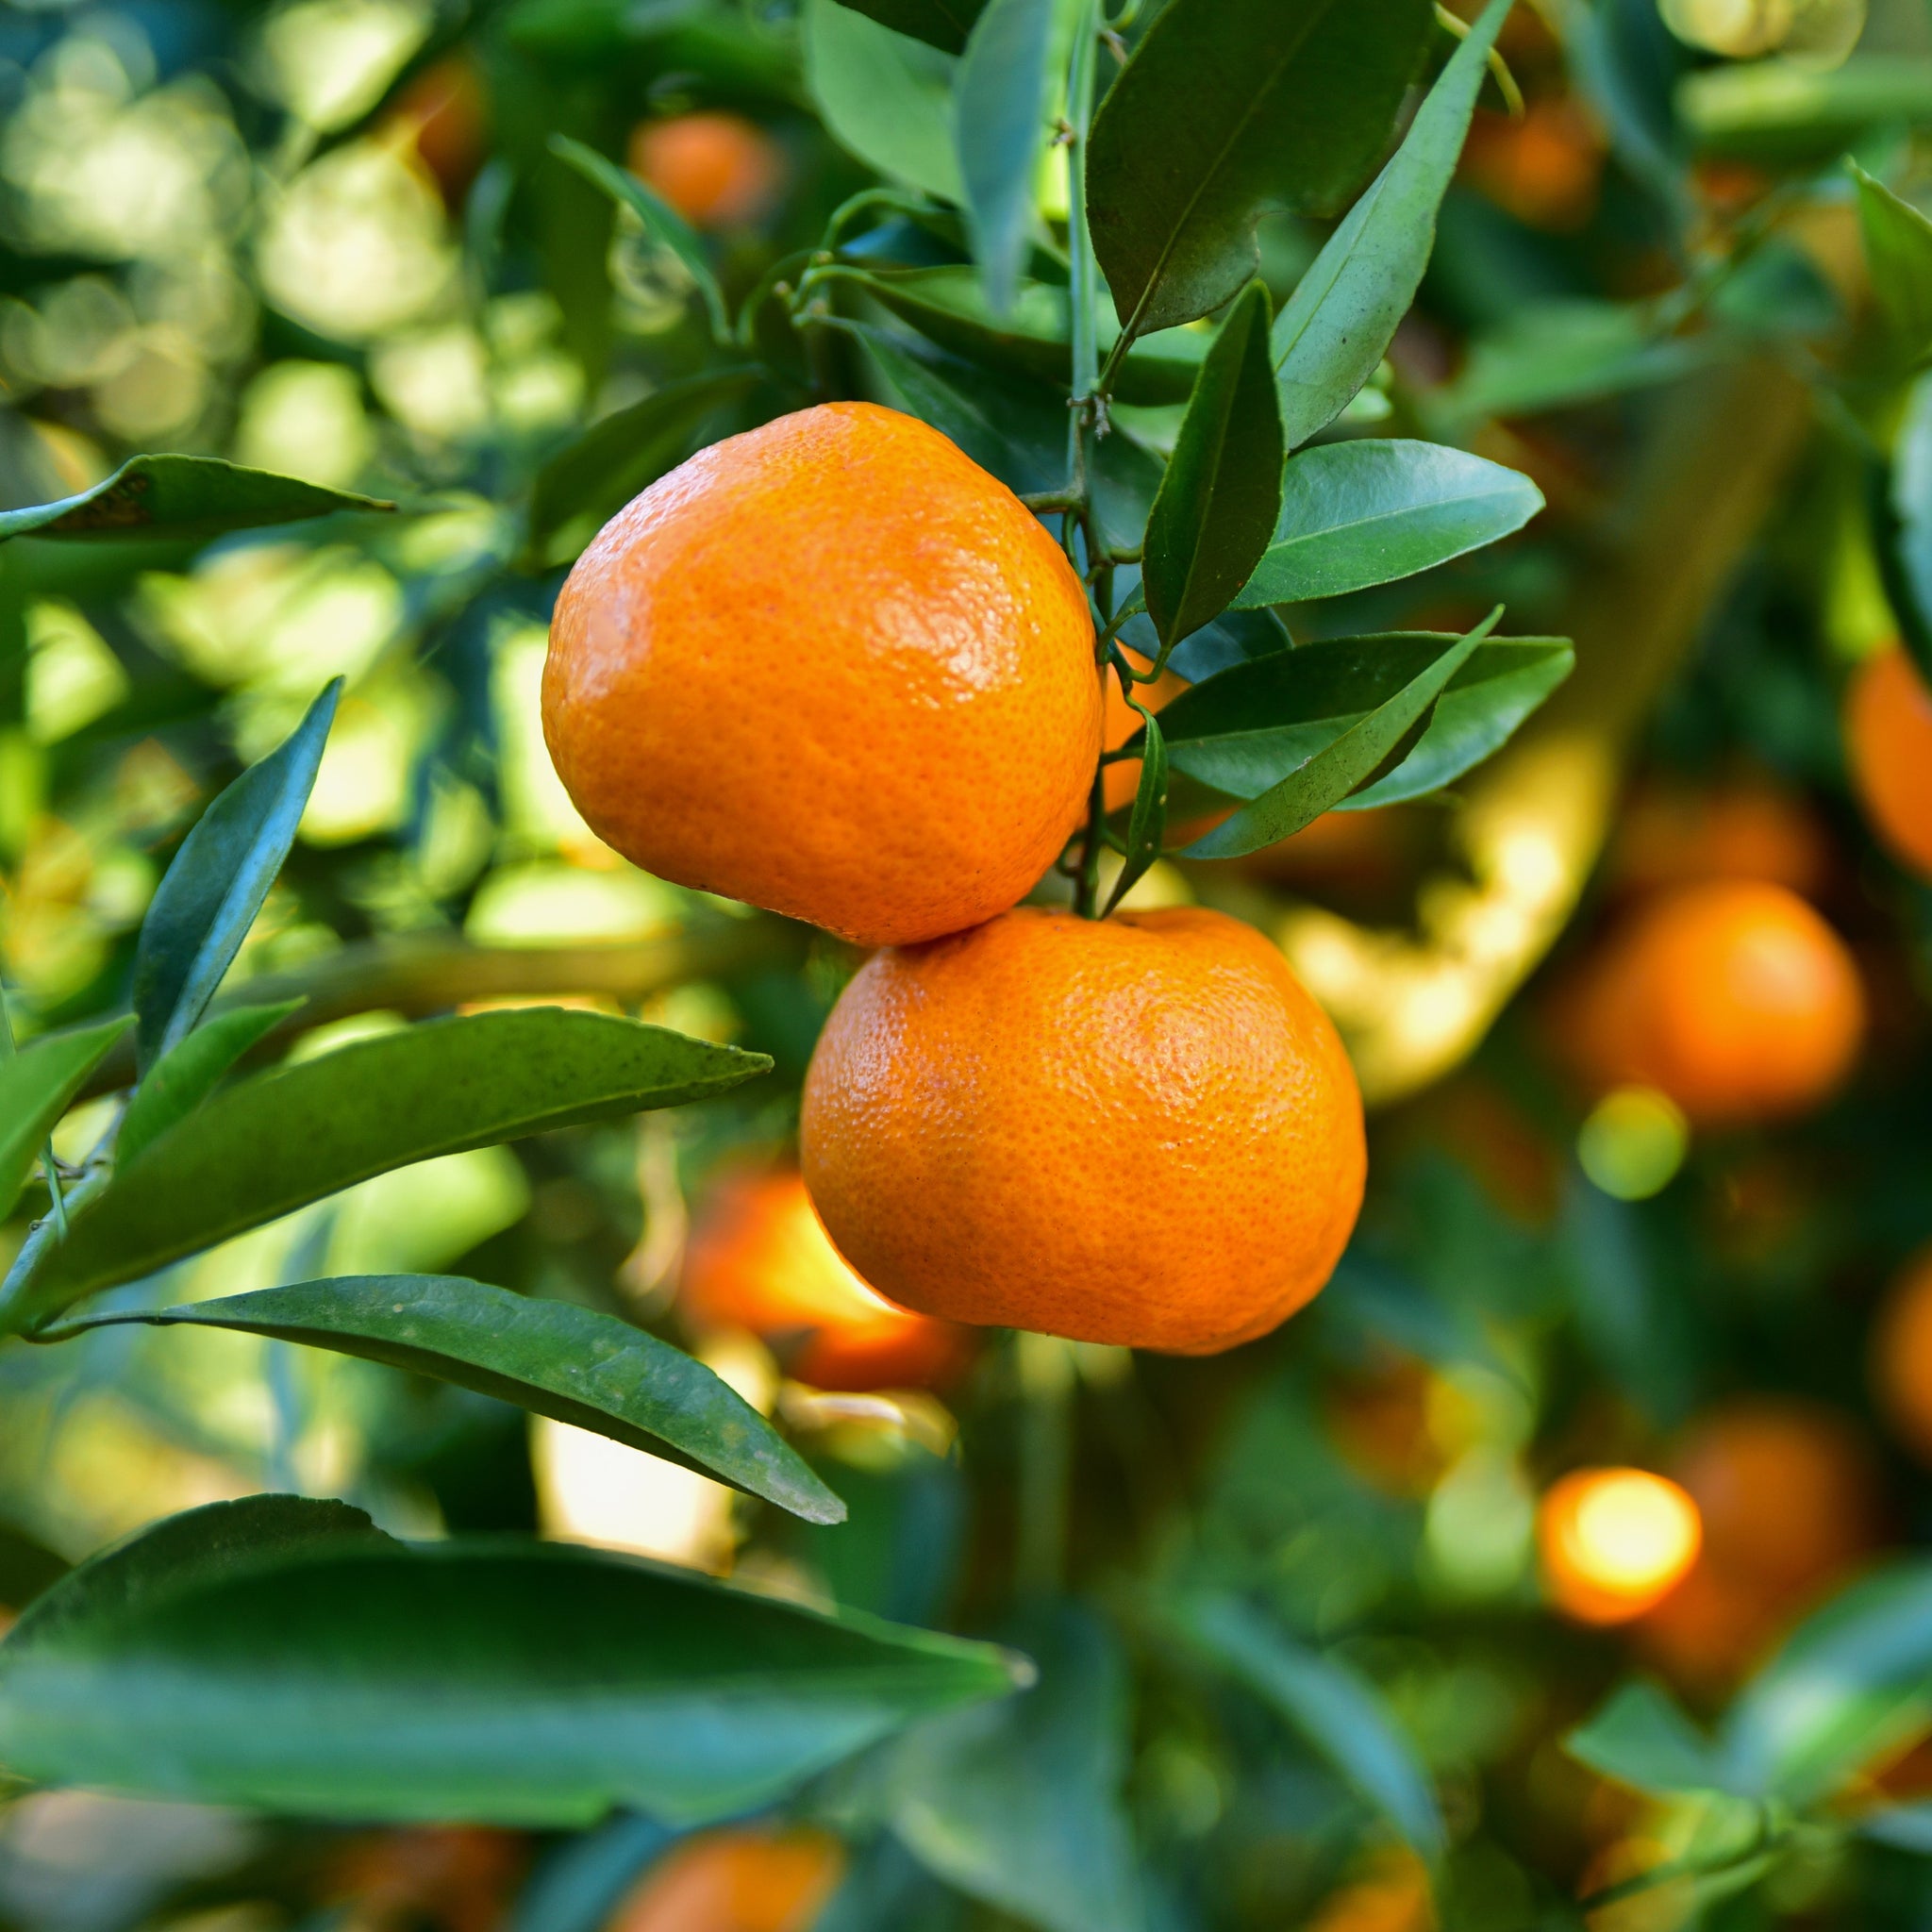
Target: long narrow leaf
column 1147, row 824
column 181, row 1079
column 37, row 1085
column 181, row 496
column 1000, row 94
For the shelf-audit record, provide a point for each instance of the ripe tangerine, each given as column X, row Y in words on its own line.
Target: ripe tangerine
column 833, row 668
column 718, row 171
column 758, row 1259
column 738, row 1880
column 1140, row 1130
column 1888, row 733
column 1902, row 1356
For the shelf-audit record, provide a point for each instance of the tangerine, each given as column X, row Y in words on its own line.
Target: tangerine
column 718, row 171
column 1749, row 828
column 443, row 114
column 1732, row 997
column 835, row 669
column 758, row 1259
column 1902, row 1356
column 1140, row 1130
column 1614, row 1542
column 738, row 1880
column 1888, row 733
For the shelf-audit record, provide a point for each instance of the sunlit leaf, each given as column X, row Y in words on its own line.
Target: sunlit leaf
column 1354, row 514
column 37, row 1085
column 1225, row 108
column 1898, row 246
column 217, row 882
column 181, row 496
column 552, row 1357
column 1790, row 108
column 283, row 1654
column 298, row 1133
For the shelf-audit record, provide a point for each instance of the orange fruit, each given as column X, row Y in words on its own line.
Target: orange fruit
column 758, row 1259
column 1544, row 166
column 444, row 113
column 1394, row 1894
column 835, row 669
column 1750, row 829
column 1734, row 998
column 1613, row 1541
column 1138, row 1130
column 1788, row 1494
column 718, row 171
column 1902, row 1356
column 1888, row 732
column 736, row 1881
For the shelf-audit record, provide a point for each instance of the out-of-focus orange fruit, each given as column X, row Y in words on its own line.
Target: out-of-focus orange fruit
column 1788, row 1494
column 1750, row 829
column 1393, row 1895
column 1888, row 733
column 1544, row 166
column 758, row 1259
column 457, row 1878
column 1902, row 1357
column 1734, row 998
column 446, row 116
column 1379, row 1422
column 736, row 1881
column 1613, row 1541
column 718, row 171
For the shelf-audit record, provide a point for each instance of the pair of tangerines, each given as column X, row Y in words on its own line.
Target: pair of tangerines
column 834, row 669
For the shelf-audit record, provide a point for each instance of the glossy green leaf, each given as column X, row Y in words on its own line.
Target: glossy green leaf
column 1332, row 754
column 299, row 1133
column 1221, row 499
column 1640, row 1738
column 552, row 1357
column 1353, row 514
column 183, row 1077
column 1229, row 108
column 883, row 96
column 1339, row 1713
column 215, row 886
column 949, row 307
column 1018, row 1804
column 1851, row 1687
column 282, row 1654
column 1765, row 108
column 661, row 221
column 941, row 24
column 38, row 1085
column 1000, row 115
column 1898, row 249
column 593, row 477
column 1147, row 822
column 181, row 496
column 1339, row 322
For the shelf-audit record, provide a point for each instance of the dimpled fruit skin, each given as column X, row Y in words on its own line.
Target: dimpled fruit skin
column 1140, row 1130
column 832, row 667
column 1889, row 742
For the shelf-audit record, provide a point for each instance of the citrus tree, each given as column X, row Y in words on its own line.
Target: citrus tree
column 1031, row 734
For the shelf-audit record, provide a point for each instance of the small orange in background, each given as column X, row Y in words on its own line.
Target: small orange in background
column 1140, row 1130
column 1734, row 998
column 740, row 1880
column 1902, row 1357
column 1614, row 1542
column 758, row 1259
column 446, row 119
column 1888, row 733
column 718, row 171
column 1788, row 1494
column 1750, row 828
column 833, row 668
column 1544, row 166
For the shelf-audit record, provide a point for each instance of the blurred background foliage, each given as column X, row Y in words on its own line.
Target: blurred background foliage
column 1306, row 1663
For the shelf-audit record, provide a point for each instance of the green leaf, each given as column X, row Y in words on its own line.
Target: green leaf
column 1909, row 1828
column 1343, row 316
column 1000, row 115
column 1147, row 824
column 1853, row 1685
column 1329, row 725
column 1898, row 504
column 595, row 477
column 181, row 496
column 182, row 1079
column 1221, row 497
column 949, row 307
column 28, row 1567
column 883, row 96
column 1018, row 1804
column 943, row 23
column 1228, row 108
column 661, row 221
column 282, row 1654
column 299, row 1133
column 1776, row 108
column 1898, row 247
column 1639, row 1738
column 1339, row 1713
column 1353, row 514
column 552, row 1357
column 215, row 886
column 37, row 1085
